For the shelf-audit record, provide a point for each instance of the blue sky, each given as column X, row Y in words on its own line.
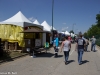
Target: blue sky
column 81, row 13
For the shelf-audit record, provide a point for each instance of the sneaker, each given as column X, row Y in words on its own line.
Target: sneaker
column 80, row 63
column 66, row 63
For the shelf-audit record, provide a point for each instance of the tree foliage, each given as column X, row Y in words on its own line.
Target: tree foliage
column 85, row 34
column 98, row 20
column 94, row 30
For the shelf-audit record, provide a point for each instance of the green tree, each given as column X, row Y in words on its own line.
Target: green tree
column 94, row 30
column 98, row 19
column 85, row 34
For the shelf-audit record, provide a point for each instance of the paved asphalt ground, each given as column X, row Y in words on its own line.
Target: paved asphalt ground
column 46, row 64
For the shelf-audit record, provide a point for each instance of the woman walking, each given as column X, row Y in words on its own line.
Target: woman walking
column 86, row 45
column 66, row 46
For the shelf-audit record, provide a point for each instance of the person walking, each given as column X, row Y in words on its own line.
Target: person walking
column 80, row 48
column 69, row 39
column 87, row 43
column 56, row 44
column 93, row 43
column 66, row 46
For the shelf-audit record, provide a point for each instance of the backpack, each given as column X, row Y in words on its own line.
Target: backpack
column 79, row 43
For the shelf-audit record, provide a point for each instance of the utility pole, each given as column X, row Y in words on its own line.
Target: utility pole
column 52, row 18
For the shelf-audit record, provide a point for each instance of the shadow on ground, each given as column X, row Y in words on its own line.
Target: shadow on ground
column 5, row 58
column 43, row 54
column 70, row 61
column 91, row 51
column 84, row 61
column 94, row 51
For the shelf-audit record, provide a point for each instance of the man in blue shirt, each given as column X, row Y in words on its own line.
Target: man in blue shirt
column 56, row 44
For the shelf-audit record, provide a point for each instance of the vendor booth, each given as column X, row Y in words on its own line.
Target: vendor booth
column 32, row 42
column 10, row 31
column 47, row 37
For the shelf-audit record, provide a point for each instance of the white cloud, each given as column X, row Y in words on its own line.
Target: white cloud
column 64, row 28
column 31, row 19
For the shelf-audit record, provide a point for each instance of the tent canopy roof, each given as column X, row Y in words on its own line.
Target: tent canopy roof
column 53, row 28
column 17, row 19
column 66, row 33
column 36, row 22
column 46, row 26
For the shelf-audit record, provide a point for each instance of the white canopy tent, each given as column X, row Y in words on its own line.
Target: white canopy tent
column 53, row 28
column 59, row 31
column 72, row 35
column 46, row 26
column 66, row 33
column 36, row 22
column 18, row 19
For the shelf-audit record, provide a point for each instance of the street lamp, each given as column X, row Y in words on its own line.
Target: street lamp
column 52, row 17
